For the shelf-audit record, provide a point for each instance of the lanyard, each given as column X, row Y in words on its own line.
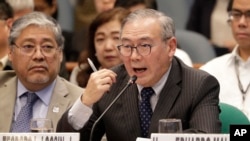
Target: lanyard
column 238, row 79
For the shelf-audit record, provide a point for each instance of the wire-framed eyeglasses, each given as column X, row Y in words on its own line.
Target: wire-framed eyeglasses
column 28, row 49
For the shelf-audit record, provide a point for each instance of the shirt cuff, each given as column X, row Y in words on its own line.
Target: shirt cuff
column 79, row 114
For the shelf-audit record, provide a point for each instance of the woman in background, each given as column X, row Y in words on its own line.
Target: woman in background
column 104, row 35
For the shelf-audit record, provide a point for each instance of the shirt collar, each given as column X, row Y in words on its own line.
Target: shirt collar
column 160, row 84
column 44, row 94
column 236, row 57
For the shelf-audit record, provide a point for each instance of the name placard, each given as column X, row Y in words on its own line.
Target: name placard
column 39, row 137
column 189, row 137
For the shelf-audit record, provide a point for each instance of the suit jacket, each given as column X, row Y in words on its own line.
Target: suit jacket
column 188, row 94
column 64, row 95
column 200, row 17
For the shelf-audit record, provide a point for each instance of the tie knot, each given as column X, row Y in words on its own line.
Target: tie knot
column 31, row 97
column 147, row 92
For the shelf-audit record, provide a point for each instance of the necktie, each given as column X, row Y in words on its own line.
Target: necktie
column 145, row 110
column 22, row 123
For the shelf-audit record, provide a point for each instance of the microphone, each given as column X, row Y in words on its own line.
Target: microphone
column 131, row 81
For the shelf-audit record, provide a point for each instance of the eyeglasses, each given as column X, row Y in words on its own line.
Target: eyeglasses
column 29, row 50
column 236, row 15
column 142, row 49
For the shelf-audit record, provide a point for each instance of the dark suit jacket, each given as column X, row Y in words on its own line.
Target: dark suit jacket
column 200, row 21
column 200, row 17
column 189, row 94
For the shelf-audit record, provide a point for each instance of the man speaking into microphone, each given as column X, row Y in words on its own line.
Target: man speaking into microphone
column 165, row 88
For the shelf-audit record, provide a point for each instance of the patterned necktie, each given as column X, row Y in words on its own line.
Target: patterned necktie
column 22, row 123
column 145, row 110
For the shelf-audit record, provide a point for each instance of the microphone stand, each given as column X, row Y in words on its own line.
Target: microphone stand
column 131, row 81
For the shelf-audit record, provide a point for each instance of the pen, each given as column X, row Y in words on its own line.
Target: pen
column 92, row 65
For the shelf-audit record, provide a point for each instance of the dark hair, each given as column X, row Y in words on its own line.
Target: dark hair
column 50, row 3
column 6, row 11
column 129, row 3
column 110, row 15
column 230, row 5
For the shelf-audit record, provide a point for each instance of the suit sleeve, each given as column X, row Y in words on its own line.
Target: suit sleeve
column 205, row 111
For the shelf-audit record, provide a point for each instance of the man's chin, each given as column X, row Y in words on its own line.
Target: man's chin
column 38, row 80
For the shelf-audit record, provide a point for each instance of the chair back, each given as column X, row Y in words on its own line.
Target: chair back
column 196, row 45
column 176, row 9
column 231, row 115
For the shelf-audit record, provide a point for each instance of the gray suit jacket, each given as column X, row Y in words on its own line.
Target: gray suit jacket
column 64, row 95
column 188, row 94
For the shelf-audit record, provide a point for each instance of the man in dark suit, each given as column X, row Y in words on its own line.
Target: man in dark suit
column 147, row 47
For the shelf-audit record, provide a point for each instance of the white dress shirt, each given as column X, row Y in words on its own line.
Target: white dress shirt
column 224, row 69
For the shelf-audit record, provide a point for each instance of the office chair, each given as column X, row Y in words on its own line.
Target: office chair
column 176, row 9
column 231, row 115
column 196, row 45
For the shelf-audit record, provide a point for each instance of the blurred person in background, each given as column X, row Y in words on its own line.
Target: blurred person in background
column 133, row 5
column 209, row 18
column 232, row 69
column 50, row 8
column 21, row 7
column 104, row 34
column 6, row 15
column 86, row 12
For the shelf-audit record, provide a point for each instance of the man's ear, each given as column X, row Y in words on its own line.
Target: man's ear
column 9, row 22
column 172, row 44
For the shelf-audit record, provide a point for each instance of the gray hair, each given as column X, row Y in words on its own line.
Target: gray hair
column 21, row 4
column 166, row 23
column 38, row 19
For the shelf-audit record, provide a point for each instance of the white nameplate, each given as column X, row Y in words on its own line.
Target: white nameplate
column 39, row 137
column 189, row 137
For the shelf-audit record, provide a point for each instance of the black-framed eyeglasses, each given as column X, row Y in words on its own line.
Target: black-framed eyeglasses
column 47, row 50
column 236, row 15
column 142, row 49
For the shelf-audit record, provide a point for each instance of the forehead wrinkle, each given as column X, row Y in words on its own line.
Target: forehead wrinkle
column 145, row 38
column 34, row 40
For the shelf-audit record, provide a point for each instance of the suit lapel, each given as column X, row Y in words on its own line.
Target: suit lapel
column 131, row 109
column 167, row 97
column 7, row 104
column 59, row 101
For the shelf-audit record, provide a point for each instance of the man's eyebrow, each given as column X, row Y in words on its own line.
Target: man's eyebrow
column 238, row 10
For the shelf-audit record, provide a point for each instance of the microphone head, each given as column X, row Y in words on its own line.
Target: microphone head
column 133, row 79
